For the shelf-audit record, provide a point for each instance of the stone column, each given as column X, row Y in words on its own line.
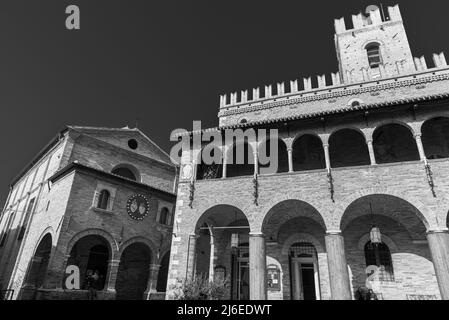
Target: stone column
column 327, row 156
column 422, row 154
column 439, row 249
column 257, row 267
column 191, row 256
column 152, row 281
column 372, row 156
column 290, row 159
column 256, row 162
column 111, row 278
column 338, row 268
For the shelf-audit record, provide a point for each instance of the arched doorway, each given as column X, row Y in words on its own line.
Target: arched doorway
column 294, row 231
column 222, row 248
column 163, row 273
column 133, row 272
column 38, row 265
column 91, row 255
column 304, row 272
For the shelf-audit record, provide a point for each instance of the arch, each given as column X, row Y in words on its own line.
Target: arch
column 133, row 271
column 301, row 237
column 221, row 215
column 347, row 147
column 114, row 248
column 435, row 137
column 139, row 239
column 91, row 253
column 264, row 150
column 127, row 171
column 420, row 210
column 308, row 153
column 38, row 265
column 240, row 164
column 394, row 143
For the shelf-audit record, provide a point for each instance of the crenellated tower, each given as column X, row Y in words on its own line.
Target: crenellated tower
column 376, row 47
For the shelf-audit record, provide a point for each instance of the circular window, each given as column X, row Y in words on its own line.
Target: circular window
column 243, row 121
column 132, row 143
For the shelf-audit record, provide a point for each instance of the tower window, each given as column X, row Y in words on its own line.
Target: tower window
column 374, row 57
column 103, row 200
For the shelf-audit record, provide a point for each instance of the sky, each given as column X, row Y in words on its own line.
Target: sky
column 162, row 64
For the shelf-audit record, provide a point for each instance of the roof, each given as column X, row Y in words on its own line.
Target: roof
column 312, row 115
column 75, row 166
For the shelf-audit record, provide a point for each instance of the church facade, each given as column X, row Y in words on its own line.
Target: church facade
column 94, row 209
column 360, row 196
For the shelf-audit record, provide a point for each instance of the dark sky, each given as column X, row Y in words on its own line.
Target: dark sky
column 163, row 62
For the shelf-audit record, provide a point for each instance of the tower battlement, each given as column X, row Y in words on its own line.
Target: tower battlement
column 375, row 18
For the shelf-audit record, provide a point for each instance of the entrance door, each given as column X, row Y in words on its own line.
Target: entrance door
column 305, row 280
column 305, row 284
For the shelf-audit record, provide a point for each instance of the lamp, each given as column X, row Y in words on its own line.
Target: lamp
column 375, row 234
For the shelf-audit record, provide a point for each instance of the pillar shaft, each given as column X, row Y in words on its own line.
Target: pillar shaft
column 290, row 159
column 422, row 154
column 212, row 258
column 372, row 156
column 224, row 162
column 439, row 249
column 256, row 163
column 327, row 156
column 191, row 257
column 152, row 281
column 257, row 267
column 338, row 268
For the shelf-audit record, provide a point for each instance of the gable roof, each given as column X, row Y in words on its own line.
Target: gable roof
column 112, row 136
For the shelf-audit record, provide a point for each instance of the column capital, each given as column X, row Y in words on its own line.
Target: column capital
column 369, row 141
column 257, row 234
column 417, row 135
column 440, row 230
column 334, row 232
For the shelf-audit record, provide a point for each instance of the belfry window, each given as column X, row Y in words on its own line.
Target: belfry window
column 374, row 57
column 379, row 255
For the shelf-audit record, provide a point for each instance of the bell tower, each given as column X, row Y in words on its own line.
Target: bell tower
column 376, row 47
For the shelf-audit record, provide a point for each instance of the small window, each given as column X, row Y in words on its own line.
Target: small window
column 374, row 57
column 103, row 199
column 379, row 255
column 165, row 215
column 132, row 144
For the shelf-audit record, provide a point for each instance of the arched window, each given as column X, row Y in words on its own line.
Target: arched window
column 165, row 214
column 374, row 57
column 125, row 173
column 435, row 138
column 347, row 148
column 379, row 255
column 308, row 153
column 103, row 199
column 394, row 143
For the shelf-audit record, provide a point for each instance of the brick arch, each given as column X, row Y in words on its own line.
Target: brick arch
column 200, row 212
column 143, row 240
column 48, row 230
column 268, row 138
column 346, row 127
column 424, row 119
column 113, row 246
column 383, row 123
column 306, row 133
column 424, row 213
column 301, row 237
column 317, row 205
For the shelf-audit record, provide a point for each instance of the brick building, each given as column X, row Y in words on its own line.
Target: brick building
column 361, row 154
column 100, row 199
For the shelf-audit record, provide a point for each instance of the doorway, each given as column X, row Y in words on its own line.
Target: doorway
column 304, row 275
